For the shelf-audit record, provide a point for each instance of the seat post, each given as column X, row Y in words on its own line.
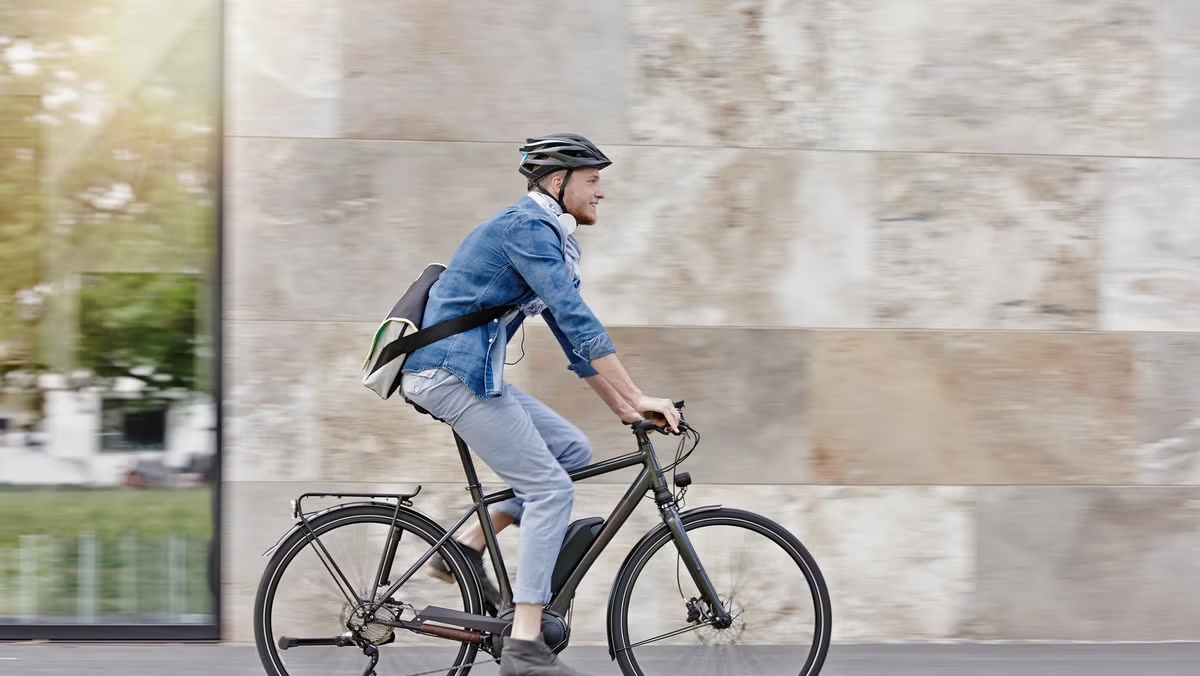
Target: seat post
column 468, row 464
column 485, row 521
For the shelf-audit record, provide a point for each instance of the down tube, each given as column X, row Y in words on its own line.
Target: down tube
column 619, row 516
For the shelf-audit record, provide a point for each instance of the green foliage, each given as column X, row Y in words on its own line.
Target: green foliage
column 140, row 326
column 107, row 149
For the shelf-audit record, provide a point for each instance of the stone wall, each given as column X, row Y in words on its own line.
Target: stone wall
column 927, row 273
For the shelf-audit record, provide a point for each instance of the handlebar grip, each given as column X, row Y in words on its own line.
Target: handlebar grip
column 655, row 414
column 647, row 424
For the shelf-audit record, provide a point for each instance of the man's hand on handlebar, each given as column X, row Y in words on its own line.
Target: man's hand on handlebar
column 661, row 412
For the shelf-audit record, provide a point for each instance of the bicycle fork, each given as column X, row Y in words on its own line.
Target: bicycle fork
column 720, row 616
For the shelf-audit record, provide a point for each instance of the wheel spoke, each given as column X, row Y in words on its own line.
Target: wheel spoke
column 669, row 634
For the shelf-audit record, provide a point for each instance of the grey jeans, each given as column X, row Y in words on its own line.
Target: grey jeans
column 531, row 448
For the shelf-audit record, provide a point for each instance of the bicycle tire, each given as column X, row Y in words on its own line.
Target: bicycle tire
column 426, row 529
column 620, row 597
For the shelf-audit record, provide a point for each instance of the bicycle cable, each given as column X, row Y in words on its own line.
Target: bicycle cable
column 680, row 457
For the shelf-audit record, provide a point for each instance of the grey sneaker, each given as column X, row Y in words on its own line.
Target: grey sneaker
column 531, row 658
column 441, row 570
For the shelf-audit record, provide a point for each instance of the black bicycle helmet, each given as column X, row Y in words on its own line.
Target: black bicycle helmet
column 545, row 154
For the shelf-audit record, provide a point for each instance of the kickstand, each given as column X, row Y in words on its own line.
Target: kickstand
column 371, row 651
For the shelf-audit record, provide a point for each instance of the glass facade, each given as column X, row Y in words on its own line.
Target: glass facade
column 109, row 316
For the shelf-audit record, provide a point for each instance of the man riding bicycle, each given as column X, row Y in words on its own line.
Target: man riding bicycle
column 526, row 255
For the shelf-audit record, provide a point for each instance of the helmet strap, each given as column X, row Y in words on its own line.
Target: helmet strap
column 561, row 190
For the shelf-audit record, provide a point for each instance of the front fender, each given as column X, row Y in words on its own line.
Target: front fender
column 650, row 535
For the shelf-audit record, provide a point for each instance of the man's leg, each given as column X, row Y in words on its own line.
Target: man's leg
column 473, row 537
column 568, row 444
column 502, row 433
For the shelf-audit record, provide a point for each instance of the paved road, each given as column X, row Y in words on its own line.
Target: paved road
column 877, row 660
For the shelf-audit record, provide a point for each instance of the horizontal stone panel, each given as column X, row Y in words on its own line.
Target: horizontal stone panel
column 337, row 230
column 826, row 407
column 1028, row 76
column 1151, row 253
column 728, row 237
column 468, row 71
column 890, row 407
column 745, row 390
column 1087, row 564
column 719, row 74
column 912, row 545
column 299, row 412
column 284, row 68
column 298, row 409
column 986, row 242
column 1032, row 78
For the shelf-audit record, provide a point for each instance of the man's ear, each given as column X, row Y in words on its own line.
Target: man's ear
column 553, row 182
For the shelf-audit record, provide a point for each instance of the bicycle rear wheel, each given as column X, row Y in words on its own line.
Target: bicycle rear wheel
column 300, row 597
column 767, row 580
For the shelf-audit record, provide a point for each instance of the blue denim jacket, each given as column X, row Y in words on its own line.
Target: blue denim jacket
column 513, row 257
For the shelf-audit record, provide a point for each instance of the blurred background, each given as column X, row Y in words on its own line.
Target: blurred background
column 927, row 273
column 109, row 157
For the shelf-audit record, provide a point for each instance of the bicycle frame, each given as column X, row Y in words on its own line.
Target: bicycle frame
column 650, row 478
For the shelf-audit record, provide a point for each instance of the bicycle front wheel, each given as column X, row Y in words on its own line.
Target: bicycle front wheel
column 766, row 579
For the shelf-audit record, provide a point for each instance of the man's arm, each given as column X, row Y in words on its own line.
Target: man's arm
column 616, row 403
column 615, row 375
column 576, row 364
column 622, row 406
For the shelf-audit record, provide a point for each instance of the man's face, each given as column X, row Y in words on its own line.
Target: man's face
column 583, row 194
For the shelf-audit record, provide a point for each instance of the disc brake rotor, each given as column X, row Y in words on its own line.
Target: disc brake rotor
column 731, row 634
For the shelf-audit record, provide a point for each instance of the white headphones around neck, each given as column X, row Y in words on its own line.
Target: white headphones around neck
column 567, row 222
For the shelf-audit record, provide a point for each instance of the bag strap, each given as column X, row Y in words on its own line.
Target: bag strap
column 442, row 329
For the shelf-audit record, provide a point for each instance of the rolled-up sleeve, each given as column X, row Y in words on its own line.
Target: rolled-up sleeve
column 577, row 364
column 535, row 251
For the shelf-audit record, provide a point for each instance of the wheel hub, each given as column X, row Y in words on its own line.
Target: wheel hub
column 724, row 633
column 370, row 631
